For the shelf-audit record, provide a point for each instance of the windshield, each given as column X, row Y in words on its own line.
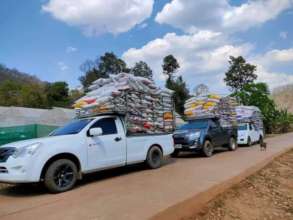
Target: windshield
column 72, row 127
column 198, row 124
column 242, row 127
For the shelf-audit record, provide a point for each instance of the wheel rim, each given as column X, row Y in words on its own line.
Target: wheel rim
column 63, row 176
column 209, row 149
column 156, row 157
column 233, row 144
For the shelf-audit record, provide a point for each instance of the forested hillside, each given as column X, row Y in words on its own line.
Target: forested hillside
column 25, row 90
column 15, row 75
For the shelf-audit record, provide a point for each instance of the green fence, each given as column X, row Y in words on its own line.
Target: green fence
column 17, row 133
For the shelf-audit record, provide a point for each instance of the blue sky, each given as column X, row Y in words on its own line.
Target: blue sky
column 47, row 39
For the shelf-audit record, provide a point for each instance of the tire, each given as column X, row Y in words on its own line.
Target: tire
column 232, row 144
column 154, row 157
column 208, row 149
column 61, row 176
column 260, row 140
column 249, row 143
column 175, row 153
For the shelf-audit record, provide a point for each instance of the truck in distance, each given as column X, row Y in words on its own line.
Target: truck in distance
column 82, row 146
column 249, row 134
column 204, row 135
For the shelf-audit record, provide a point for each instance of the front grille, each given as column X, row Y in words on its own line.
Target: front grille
column 5, row 153
column 3, row 170
column 179, row 140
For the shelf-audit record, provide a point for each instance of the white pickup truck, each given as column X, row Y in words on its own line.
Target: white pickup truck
column 249, row 134
column 82, row 146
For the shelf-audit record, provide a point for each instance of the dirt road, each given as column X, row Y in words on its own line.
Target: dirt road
column 135, row 192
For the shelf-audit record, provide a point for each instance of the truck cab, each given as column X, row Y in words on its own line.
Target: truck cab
column 248, row 134
column 82, row 146
column 204, row 135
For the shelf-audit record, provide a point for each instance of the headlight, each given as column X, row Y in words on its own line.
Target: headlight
column 30, row 149
column 194, row 136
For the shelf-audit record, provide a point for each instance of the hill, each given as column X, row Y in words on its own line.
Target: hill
column 17, row 76
column 283, row 97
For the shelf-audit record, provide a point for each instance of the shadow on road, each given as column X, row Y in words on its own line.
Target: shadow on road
column 28, row 190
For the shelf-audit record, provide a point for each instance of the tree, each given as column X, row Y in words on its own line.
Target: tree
column 142, row 69
column 10, row 93
column 239, row 73
column 257, row 94
column 110, row 64
column 33, row 96
column 102, row 67
column 170, row 66
column 181, row 93
column 201, row 89
column 57, row 94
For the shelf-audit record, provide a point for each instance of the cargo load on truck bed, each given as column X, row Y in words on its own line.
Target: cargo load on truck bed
column 147, row 108
column 212, row 106
column 250, row 114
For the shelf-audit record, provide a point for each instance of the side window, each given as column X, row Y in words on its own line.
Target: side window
column 213, row 124
column 107, row 125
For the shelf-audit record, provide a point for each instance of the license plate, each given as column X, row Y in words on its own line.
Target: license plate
column 177, row 146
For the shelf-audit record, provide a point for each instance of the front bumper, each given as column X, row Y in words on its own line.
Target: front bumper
column 17, row 171
column 183, row 147
column 241, row 140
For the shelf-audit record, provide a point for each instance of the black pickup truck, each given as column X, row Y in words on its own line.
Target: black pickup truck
column 204, row 135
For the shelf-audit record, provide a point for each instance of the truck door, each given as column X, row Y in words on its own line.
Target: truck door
column 108, row 149
column 216, row 133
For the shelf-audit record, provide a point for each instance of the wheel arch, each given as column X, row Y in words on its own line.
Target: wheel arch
column 155, row 145
column 68, row 156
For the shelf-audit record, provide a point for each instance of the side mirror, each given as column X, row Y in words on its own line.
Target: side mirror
column 95, row 132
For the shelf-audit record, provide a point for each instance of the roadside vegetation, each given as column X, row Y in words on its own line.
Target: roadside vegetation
column 267, row 194
column 21, row 89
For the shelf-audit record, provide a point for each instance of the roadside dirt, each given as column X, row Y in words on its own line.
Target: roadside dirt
column 268, row 194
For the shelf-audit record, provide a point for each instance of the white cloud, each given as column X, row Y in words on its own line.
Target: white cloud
column 284, row 35
column 273, row 79
column 275, row 57
column 100, row 16
column 62, row 66
column 71, row 49
column 190, row 15
column 203, row 58
column 202, row 55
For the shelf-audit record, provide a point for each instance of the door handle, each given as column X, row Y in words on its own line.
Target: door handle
column 118, row 139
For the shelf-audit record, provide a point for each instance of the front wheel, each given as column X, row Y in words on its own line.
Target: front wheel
column 61, row 176
column 232, row 144
column 208, row 149
column 249, row 142
column 154, row 158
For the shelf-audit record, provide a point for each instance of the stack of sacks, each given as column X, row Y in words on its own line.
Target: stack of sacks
column 148, row 109
column 247, row 114
column 212, row 106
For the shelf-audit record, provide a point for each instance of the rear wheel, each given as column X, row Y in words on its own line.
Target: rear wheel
column 233, row 144
column 154, row 158
column 61, row 176
column 208, row 149
column 260, row 140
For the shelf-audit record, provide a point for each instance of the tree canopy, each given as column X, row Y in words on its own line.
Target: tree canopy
column 141, row 68
column 170, row 65
column 240, row 73
column 102, row 67
column 177, row 84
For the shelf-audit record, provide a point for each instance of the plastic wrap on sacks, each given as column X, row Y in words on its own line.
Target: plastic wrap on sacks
column 147, row 108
